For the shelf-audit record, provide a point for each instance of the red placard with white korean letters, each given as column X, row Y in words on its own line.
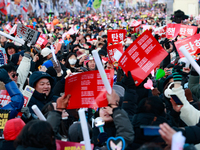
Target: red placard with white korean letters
column 183, row 30
column 142, row 56
column 62, row 145
column 116, row 36
column 87, row 89
column 172, row 30
column 191, row 44
column 5, row 99
column 42, row 41
column 187, row 30
column 115, row 52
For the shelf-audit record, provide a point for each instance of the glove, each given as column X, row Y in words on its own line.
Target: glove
column 26, row 112
column 128, row 81
column 4, row 77
column 102, row 138
column 56, row 66
column 177, row 73
column 26, row 48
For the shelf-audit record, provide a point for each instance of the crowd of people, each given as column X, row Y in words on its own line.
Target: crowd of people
column 130, row 106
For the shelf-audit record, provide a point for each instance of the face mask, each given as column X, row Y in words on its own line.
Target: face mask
column 64, row 118
column 88, row 38
column 72, row 61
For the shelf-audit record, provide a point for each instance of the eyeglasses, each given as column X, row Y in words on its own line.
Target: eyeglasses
column 13, row 76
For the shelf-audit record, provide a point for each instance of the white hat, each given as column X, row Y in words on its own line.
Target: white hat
column 45, row 51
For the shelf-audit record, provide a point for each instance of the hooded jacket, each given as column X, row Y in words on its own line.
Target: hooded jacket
column 12, row 129
column 40, row 99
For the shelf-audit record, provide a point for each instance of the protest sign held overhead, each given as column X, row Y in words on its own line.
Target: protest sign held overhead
column 187, row 30
column 116, row 36
column 42, row 42
column 191, row 44
column 142, row 56
column 27, row 34
column 178, row 29
column 172, row 30
column 115, row 52
column 87, row 89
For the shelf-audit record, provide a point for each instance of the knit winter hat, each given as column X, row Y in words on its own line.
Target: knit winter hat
column 48, row 64
column 12, row 128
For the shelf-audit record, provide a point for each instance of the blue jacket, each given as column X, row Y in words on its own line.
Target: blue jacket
column 17, row 99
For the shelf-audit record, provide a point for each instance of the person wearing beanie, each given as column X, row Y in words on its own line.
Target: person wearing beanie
column 11, row 130
column 43, row 83
column 48, row 64
column 102, row 53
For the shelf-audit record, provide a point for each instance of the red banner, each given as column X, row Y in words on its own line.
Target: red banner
column 42, row 42
column 172, row 30
column 191, row 44
column 116, row 36
column 87, row 89
column 142, row 56
column 61, row 145
column 115, row 52
column 187, row 30
column 183, row 30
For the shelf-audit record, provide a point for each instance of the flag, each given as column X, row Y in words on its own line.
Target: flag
column 38, row 8
column 89, row 4
column 2, row 7
column 117, row 4
column 24, row 5
column 8, row 6
column 96, row 4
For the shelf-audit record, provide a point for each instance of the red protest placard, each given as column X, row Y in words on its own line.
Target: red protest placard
column 42, row 42
column 8, row 28
column 135, row 23
column 14, row 30
column 5, row 99
column 191, row 44
column 61, row 145
column 115, row 52
column 187, row 30
column 87, row 89
column 142, row 56
column 116, row 36
column 172, row 30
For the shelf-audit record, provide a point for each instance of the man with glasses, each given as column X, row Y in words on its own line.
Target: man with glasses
column 11, row 72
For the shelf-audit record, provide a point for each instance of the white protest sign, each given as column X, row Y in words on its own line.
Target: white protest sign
column 27, row 34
